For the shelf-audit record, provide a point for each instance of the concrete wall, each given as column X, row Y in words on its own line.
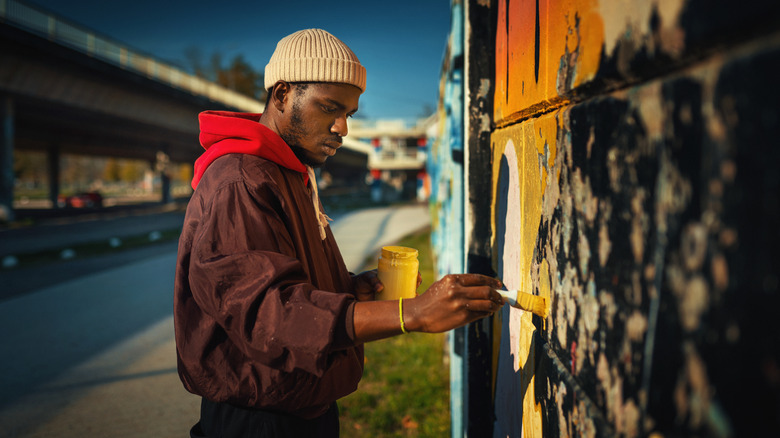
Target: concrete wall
column 631, row 152
column 445, row 167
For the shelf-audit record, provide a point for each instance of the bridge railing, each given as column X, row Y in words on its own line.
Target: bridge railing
column 60, row 31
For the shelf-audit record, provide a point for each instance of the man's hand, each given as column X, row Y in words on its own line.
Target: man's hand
column 451, row 302
column 366, row 285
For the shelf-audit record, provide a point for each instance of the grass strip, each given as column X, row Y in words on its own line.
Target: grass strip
column 405, row 387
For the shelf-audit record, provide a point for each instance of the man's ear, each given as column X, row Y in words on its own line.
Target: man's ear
column 280, row 93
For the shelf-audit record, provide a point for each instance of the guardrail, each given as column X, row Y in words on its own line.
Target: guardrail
column 60, row 31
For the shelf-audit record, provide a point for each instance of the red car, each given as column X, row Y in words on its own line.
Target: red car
column 81, row 200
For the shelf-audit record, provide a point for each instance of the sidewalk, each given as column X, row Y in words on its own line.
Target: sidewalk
column 362, row 233
column 95, row 356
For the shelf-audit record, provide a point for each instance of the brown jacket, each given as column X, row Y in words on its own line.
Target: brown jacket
column 263, row 306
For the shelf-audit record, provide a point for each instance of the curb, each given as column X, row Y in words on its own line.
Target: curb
column 88, row 249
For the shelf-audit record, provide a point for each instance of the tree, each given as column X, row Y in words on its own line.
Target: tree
column 30, row 167
column 112, row 171
column 238, row 75
column 132, row 171
column 194, row 58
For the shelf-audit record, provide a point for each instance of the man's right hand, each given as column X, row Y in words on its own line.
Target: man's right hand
column 453, row 301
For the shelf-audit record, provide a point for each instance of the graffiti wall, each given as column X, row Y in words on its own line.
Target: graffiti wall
column 445, row 168
column 630, row 153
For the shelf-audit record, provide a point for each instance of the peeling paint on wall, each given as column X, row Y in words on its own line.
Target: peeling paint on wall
column 619, row 183
column 543, row 49
column 635, row 185
column 516, row 370
column 523, row 173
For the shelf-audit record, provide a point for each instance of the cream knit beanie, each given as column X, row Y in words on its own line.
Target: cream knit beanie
column 314, row 55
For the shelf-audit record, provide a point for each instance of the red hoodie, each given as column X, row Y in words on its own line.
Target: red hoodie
column 226, row 132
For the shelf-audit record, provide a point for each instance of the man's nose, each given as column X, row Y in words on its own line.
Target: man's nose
column 339, row 126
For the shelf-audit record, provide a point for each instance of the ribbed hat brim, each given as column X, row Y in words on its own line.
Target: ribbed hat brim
column 314, row 55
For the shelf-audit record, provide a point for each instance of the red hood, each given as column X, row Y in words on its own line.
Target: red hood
column 225, row 132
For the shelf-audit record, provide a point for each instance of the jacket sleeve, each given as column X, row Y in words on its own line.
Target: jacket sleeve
column 245, row 275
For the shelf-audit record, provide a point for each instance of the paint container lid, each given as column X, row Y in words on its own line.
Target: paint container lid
column 398, row 252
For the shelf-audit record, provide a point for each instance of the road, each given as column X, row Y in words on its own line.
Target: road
column 81, row 355
column 93, row 355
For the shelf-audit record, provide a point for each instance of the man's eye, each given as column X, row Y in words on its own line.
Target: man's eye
column 328, row 109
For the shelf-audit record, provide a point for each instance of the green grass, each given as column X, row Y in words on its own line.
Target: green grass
column 405, row 386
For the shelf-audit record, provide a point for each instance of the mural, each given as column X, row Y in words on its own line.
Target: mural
column 544, row 48
column 627, row 228
column 522, row 170
column 445, row 168
column 632, row 165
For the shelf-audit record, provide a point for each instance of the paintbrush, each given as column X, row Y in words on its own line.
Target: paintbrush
column 522, row 300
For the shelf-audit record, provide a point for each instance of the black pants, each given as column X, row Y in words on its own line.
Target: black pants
column 223, row 420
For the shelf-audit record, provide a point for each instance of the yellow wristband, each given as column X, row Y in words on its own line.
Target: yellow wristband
column 401, row 315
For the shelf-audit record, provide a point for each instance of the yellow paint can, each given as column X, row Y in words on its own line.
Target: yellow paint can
column 398, row 268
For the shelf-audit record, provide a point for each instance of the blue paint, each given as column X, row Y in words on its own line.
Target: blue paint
column 447, row 199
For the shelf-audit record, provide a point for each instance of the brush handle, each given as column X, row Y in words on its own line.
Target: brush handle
column 510, row 296
column 525, row 301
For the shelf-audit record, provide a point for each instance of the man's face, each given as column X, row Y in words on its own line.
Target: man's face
column 316, row 119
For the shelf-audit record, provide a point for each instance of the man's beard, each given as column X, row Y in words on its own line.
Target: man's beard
column 303, row 156
column 295, row 134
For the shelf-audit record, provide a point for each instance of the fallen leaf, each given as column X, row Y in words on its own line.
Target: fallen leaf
column 408, row 423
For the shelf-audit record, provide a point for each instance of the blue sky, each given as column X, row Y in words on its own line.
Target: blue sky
column 400, row 42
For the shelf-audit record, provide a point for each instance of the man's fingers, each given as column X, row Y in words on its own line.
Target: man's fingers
column 482, row 306
column 482, row 299
column 482, row 293
column 477, row 280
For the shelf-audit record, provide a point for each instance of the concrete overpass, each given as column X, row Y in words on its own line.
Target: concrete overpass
column 65, row 89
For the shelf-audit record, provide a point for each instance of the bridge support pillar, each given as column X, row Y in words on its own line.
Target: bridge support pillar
column 162, row 165
column 53, row 162
column 7, row 123
column 166, row 188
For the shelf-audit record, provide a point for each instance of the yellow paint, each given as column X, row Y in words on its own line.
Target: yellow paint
column 397, row 270
column 530, row 189
column 533, row 303
column 535, row 146
column 590, row 39
column 530, row 139
column 532, row 411
column 571, row 37
column 547, row 129
column 529, row 302
column 531, row 192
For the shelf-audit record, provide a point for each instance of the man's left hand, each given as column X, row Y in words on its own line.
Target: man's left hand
column 366, row 285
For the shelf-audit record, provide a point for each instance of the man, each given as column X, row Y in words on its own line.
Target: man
column 270, row 325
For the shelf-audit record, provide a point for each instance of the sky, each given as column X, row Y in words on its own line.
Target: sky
column 401, row 42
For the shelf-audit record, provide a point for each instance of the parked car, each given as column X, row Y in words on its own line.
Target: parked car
column 81, row 200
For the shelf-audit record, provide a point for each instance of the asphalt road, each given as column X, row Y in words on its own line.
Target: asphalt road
column 87, row 344
column 94, row 356
column 58, row 233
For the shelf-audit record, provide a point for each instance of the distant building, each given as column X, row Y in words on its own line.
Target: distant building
column 397, row 157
